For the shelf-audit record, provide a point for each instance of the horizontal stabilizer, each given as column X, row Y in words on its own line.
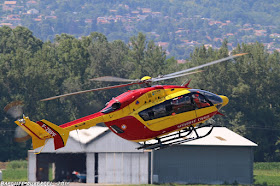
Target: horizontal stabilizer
column 36, row 142
column 220, row 114
column 42, row 130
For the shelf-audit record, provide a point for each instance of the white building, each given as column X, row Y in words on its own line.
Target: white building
column 221, row 157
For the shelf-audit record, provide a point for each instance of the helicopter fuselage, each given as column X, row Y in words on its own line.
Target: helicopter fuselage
column 147, row 113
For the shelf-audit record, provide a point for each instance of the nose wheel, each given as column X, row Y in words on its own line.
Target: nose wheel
column 189, row 134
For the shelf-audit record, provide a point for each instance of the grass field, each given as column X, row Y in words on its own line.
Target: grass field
column 265, row 174
column 15, row 171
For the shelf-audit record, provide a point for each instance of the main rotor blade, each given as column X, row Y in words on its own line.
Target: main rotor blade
column 205, row 65
column 179, row 75
column 92, row 90
column 113, row 79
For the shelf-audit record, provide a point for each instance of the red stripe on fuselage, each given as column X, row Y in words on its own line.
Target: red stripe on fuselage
column 89, row 117
column 135, row 130
column 130, row 96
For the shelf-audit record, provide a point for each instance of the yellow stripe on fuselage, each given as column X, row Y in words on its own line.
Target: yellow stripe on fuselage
column 168, row 121
column 148, row 100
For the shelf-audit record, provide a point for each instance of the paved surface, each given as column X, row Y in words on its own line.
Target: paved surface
column 88, row 184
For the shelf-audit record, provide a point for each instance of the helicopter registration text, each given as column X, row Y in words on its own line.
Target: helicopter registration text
column 202, row 118
column 48, row 130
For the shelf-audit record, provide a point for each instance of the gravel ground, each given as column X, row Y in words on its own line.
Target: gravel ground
column 3, row 165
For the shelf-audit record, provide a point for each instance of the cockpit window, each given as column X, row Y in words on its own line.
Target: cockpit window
column 201, row 100
column 213, row 98
column 176, row 105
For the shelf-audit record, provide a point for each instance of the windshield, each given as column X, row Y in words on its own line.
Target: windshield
column 215, row 99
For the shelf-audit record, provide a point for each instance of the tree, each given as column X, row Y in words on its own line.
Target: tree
column 250, row 84
column 148, row 59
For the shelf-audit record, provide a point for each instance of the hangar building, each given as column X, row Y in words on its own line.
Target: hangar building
column 222, row 157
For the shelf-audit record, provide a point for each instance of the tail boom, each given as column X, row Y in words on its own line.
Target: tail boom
column 84, row 123
column 42, row 130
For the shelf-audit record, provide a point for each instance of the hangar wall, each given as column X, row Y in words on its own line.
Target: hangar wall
column 204, row 164
column 123, row 168
column 112, row 160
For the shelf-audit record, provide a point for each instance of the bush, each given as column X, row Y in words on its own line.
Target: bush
column 17, row 164
column 267, row 166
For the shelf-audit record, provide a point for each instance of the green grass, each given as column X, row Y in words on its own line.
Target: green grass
column 50, row 173
column 15, row 175
column 17, row 164
column 267, row 173
column 15, row 171
column 267, row 166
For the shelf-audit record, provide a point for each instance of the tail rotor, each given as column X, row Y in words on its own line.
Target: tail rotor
column 15, row 111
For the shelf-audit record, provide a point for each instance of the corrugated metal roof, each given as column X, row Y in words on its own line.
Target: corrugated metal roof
column 220, row 136
column 86, row 135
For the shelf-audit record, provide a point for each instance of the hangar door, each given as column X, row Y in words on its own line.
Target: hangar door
column 123, row 168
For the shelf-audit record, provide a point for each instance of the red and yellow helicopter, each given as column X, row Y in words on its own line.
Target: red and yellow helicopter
column 140, row 115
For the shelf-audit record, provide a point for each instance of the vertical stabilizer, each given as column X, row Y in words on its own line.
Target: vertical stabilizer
column 42, row 130
column 59, row 134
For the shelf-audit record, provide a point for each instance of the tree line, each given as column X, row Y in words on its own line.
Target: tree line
column 31, row 69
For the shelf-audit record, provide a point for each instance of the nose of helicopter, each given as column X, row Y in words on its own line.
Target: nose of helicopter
column 225, row 100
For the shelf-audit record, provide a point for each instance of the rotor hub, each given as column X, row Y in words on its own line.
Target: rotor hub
column 146, row 78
